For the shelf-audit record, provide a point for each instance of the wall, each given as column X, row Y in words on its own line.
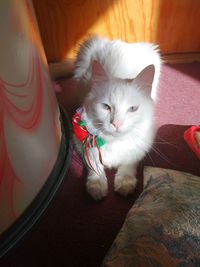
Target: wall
column 173, row 24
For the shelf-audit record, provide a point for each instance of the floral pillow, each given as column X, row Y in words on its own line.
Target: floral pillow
column 163, row 226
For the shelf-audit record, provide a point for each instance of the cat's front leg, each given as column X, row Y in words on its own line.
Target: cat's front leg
column 125, row 179
column 97, row 185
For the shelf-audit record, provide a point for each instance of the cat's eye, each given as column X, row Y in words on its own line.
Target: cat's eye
column 133, row 109
column 106, row 106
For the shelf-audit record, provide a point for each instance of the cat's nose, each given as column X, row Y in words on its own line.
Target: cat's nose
column 116, row 123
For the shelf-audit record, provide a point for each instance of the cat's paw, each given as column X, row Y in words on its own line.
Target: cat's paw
column 125, row 185
column 97, row 188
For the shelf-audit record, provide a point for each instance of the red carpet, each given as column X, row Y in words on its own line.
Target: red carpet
column 179, row 95
column 77, row 231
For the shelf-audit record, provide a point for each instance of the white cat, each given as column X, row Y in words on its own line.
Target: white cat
column 118, row 110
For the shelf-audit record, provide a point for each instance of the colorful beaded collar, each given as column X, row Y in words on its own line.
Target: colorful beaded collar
column 87, row 139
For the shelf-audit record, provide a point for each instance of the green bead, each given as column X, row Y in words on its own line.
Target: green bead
column 100, row 141
column 81, row 123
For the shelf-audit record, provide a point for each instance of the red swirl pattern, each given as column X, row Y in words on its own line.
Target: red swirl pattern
column 27, row 118
column 25, row 107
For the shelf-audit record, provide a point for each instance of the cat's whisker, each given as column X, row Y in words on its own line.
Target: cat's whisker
column 98, row 123
column 161, row 155
column 163, row 141
column 99, row 129
column 158, row 152
column 148, row 154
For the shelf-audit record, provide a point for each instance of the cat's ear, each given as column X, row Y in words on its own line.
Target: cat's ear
column 145, row 79
column 98, row 73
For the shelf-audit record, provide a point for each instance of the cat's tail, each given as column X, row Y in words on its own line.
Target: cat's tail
column 119, row 60
column 88, row 52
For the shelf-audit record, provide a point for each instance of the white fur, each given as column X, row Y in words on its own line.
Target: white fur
column 128, row 134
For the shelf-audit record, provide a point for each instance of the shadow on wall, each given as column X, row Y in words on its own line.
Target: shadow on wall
column 65, row 23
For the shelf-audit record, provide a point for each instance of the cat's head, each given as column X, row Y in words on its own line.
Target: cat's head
column 116, row 106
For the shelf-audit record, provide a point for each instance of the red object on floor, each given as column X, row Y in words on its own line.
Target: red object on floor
column 191, row 139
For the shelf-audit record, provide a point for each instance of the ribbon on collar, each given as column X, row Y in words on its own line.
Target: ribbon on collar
column 88, row 140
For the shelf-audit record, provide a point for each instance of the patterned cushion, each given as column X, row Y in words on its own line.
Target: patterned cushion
column 163, row 226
